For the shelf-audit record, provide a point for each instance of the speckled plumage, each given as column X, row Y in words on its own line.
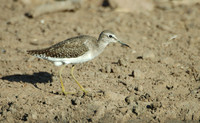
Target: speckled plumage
column 69, row 48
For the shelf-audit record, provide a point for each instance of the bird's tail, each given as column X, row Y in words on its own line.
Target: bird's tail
column 38, row 53
column 34, row 52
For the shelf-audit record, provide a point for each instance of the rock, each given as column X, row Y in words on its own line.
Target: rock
column 133, row 51
column 107, row 69
column 131, row 99
column 138, row 109
column 100, row 111
column 169, row 86
column 13, row 110
column 163, row 5
column 196, row 116
column 122, row 62
column 135, row 6
column 144, row 97
column 149, row 55
column 116, row 70
column 140, row 88
column 130, row 88
column 114, row 96
column 168, row 60
column 76, row 101
column 34, row 115
column 3, row 51
column 154, row 105
column 138, row 74
column 123, row 110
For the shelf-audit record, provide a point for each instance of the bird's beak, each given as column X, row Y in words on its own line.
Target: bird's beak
column 123, row 44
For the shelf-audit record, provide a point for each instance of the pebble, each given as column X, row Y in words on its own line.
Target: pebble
column 133, row 51
column 34, row 115
column 76, row 101
column 123, row 110
column 138, row 108
column 194, row 92
column 3, row 51
column 107, row 69
column 157, row 104
column 140, row 88
column 131, row 99
column 138, row 74
column 169, row 86
column 168, row 60
column 78, row 29
column 42, row 21
column 164, row 5
column 122, row 62
column 149, row 55
column 116, row 70
column 114, row 96
column 13, row 110
column 100, row 111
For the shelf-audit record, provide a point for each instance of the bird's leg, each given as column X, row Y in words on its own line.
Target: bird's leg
column 62, row 85
column 72, row 73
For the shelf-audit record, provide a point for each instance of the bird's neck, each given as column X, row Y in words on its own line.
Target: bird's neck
column 102, row 44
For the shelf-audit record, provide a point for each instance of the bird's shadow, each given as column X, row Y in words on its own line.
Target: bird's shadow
column 40, row 77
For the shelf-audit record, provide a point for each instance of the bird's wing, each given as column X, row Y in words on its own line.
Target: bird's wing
column 70, row 48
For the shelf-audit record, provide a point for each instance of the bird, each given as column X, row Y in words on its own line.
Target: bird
column 76, row 50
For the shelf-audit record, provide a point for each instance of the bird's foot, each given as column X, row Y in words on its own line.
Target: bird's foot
column 67, row 93
column 84, row 91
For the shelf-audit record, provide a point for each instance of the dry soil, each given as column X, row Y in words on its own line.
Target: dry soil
column 156, row 80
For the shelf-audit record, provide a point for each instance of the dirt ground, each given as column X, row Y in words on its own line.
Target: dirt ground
column 156, row 80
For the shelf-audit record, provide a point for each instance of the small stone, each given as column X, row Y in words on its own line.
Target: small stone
column 107, row 69
column 144, row 97
column 140, row 88
column 148, row 55
column 116, row 70
column 34, row 42
column 131, row 99
column 34, row 115
column 114, row 96
column 163, row 5
column 78, row 30
column 196, row 116
column 42, row 21
column 133, row 6
column 168, row 60
column 133, row 51
column 100, row 111
column 76, row 101
column 194, row 92
column 123, row 110
column 3, row 51
column 122, row 62
column 154, row 105
column 130, row 88
column 138, row 108
column 138, row 74
column 13, row 110
column 169, row 86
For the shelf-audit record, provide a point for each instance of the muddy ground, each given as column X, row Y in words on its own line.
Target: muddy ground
column 156, row 80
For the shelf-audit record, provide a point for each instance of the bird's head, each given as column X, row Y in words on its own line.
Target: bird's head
column 108, row 37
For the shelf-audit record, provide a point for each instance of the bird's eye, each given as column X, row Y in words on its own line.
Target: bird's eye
column 110, row 36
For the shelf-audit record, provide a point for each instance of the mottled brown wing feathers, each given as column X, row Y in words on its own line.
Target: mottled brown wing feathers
column 69, row 48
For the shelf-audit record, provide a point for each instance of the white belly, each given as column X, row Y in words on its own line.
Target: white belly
column 60, row 61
